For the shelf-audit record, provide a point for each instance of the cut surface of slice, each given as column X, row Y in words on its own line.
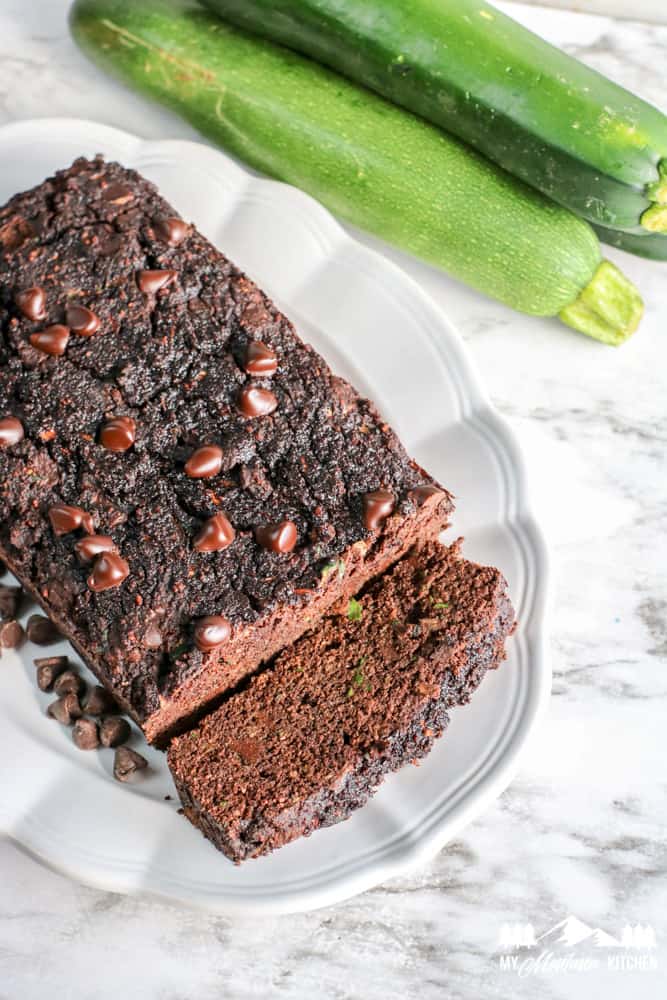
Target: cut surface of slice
column 366, row 692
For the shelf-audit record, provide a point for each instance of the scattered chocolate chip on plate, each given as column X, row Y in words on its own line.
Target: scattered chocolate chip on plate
column 42, row 631
column 85, row 734
column 66, row 709
column 49, row 668
column 114, row 730
column 127, row 763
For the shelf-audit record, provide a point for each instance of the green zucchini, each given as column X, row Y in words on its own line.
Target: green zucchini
column 651, row 246
column 542, row 115
column 368, row 161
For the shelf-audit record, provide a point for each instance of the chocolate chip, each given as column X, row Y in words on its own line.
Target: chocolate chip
column 65, row 710
column 49, row 668
column 100, row 701
column 114, row 730
column 51, row 340
column 170, row 229
column 205, row 462
column 93, row 545
column 118, row 433
column 151, row 282
column 211, row 632
column 109, row 571
column 32, row 302
column 278, row 537
column 377, row 505
column 10, row 601
column 126, row 763
column 11, row 635
column 64, row 519
column 69, row 682
column 82, row 320
column 118, row 194
column 85, row 734
column 41, row 631
column 11, row 432
column 420, row 494
column 215, row 535
column 253, row 401
column 260, row 359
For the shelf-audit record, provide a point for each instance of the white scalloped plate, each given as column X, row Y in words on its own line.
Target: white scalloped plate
column 378, row 329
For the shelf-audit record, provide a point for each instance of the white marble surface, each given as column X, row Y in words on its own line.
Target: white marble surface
column 648, row 10
column 582, row 829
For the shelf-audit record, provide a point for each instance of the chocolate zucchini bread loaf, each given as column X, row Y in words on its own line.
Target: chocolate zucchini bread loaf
column 309, row 739
column 185, row 486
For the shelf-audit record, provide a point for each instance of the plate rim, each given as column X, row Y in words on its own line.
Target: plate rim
column 407, row 850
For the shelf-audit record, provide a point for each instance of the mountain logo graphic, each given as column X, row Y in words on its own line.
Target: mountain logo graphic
column 571, row 932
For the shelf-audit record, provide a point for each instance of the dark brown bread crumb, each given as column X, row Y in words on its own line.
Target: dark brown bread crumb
column 363, row 694
column 99, row 440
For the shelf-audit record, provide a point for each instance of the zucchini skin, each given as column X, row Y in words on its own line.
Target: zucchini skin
column 368, row 161
column 582, row 140
column 652, row 246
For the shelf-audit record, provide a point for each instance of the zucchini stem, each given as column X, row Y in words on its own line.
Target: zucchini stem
column 655, row 219
column 609, row 308
column 657, row 191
